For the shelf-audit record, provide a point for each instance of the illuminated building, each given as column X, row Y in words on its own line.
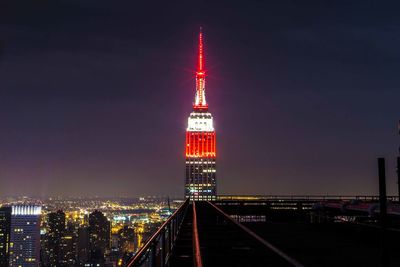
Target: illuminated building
column 200, row 173
column 139, row 231
column 127, row 239
column 99, row 236
column 56, row 231
column 5, row 224
column 69, row 245
column 25, row 236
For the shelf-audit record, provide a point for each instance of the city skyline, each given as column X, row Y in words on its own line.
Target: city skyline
column 93, row 97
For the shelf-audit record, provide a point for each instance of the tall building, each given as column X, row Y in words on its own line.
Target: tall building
column 83, row 248
column 200, row 173
column 99, row 236
column 5, row 224
column 25, row 236
column 55, row 235
column 69, row 245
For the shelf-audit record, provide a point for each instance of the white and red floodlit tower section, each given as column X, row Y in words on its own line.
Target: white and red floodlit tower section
column 200, row 175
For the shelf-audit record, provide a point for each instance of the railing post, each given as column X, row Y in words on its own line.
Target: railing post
column 176, row 226
column 153, row 255
column 169, row 239
column 163, row 247
column 171, row 235
column 173, row 229
column 383, row 209
column 398, row 178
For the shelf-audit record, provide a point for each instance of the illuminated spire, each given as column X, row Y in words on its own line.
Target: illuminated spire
column 200, row 146
column 201, row 63
column 200, row 101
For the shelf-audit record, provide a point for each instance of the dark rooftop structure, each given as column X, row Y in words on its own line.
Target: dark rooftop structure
column 276, row 231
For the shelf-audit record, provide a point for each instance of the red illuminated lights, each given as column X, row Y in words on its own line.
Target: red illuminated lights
column 200, row 102
column 200, row 145
column 200, row 136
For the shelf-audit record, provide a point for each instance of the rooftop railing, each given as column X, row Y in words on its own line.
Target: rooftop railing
column 303, row 197
column 158, row 248
column 198, row 262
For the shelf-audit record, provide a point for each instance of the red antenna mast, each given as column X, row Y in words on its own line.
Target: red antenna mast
column 200, row 101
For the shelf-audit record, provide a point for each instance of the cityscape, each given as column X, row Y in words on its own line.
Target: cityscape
column 112, row 111
column 78, row 232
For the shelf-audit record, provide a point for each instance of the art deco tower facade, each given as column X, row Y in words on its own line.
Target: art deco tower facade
column 200, row 174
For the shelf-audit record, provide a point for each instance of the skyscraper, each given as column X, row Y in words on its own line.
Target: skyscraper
column 69, row 245
column 83, row 245
column 200, row 173
column 99, row 236
column 56, row 231
column 25, row 236
column 5, row 224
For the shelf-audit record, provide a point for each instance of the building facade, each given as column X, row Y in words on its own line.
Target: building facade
column 56, row 232
column 83, row 245
column 25, row 236
column 5, row 225
column 69, row 245
column 99, row 237
column 200, row 172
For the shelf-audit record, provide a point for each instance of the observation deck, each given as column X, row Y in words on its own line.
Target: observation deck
column 273, row 231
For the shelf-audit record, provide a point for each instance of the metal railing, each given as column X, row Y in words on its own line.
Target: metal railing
column 301, row 197
column 157, row 250
column 197, row 261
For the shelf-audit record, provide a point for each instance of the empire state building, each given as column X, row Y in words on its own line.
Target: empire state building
column 200, row 173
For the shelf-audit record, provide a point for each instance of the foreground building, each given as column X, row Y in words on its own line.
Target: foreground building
column 99, row 237
column 200, row 173
column 5, row 224
column 56, row 232
column 25, row 236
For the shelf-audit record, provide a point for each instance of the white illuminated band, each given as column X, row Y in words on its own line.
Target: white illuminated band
column 200, row 91
column 26, row 210
column 200, row 122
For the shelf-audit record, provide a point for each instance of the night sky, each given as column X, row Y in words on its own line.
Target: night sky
column 95, row 95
